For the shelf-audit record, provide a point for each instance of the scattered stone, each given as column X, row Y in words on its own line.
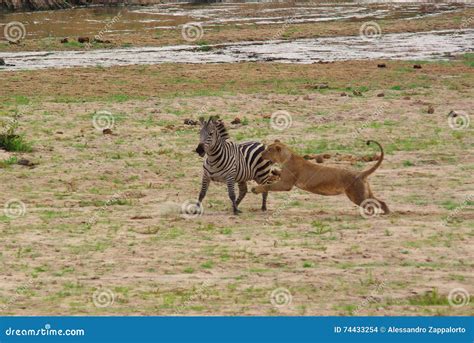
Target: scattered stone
column 381, row 95
column 430, row 109
column 417, row 66
column 107, row 131
column 322, row 86
column 343, row 94
column 452, row 114
column 319, row 159
column 190, row 122
column 59, row 132
column 64, row 40
column 267, row 116
column 2, row 62
column 406, row 98
column 236, row 121
column 26, row 163
column 141, row 217
column 308, row 97
column 83, row 40
column 357, row 93
column 102, row 41
column 381, row 65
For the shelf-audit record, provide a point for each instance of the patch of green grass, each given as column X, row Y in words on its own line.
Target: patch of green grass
column 308, row 264
column 8, row 162
column 207, row 265
column 320, row 227
column 396, row 88
column 15, row 143
column 468, row 59
column 73, row 44
column 430, row 298
column 408, row 164
column 449, row 205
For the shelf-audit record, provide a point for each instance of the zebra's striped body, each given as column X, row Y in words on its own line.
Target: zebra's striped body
column 231, row 162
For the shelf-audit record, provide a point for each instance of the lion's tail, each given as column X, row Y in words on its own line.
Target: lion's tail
column 369, row 171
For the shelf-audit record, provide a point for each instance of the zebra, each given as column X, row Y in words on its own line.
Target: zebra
column 231, row 162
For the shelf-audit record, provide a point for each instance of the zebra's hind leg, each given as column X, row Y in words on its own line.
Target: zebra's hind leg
column 242, row 192
column 231, row 191
column 264, row 201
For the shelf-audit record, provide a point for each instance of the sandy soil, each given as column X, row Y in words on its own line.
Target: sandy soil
column 102, row 232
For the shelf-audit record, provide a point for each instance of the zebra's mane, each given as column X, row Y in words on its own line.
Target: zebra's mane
column 222, row 130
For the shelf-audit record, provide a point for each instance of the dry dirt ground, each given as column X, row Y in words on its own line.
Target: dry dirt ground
column 102, row 233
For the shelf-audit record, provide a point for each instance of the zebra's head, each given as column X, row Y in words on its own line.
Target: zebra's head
column 208, row 135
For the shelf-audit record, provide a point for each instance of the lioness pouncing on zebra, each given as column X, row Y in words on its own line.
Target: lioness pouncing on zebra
column 231, row 162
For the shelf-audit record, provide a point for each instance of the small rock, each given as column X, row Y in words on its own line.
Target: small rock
column 2, row 62
column 64, row 40
column 452, row 114
column 417, row 66
column 406, row 98
column 430, row 109
column 107, row 131
column 26, row 163
column 83, row 40
column 267, row 116
column 381, row 65
column 343, row 94
column 102, row 41
column 357, row 93
column 381, row 95
column 236, row 121
column 308, row 97
column 59, row 132
column 322, row 86
column 319, row 159
column 190, row 122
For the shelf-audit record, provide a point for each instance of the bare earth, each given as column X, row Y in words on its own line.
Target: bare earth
column 103, row 212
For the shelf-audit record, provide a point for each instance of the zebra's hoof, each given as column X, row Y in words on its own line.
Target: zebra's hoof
column 237, row 211
column 264, row 209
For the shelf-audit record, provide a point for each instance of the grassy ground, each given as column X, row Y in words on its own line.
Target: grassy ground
column 102, row 212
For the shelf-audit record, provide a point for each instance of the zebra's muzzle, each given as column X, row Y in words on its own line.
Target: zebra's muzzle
column 200, row 150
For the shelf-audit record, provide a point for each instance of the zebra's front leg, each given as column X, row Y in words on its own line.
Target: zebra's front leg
column 242, row 192
column 206, row 180
column 231, row 191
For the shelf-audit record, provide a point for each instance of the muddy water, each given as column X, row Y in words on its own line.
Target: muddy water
column 404, row 46
column 89, row 21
